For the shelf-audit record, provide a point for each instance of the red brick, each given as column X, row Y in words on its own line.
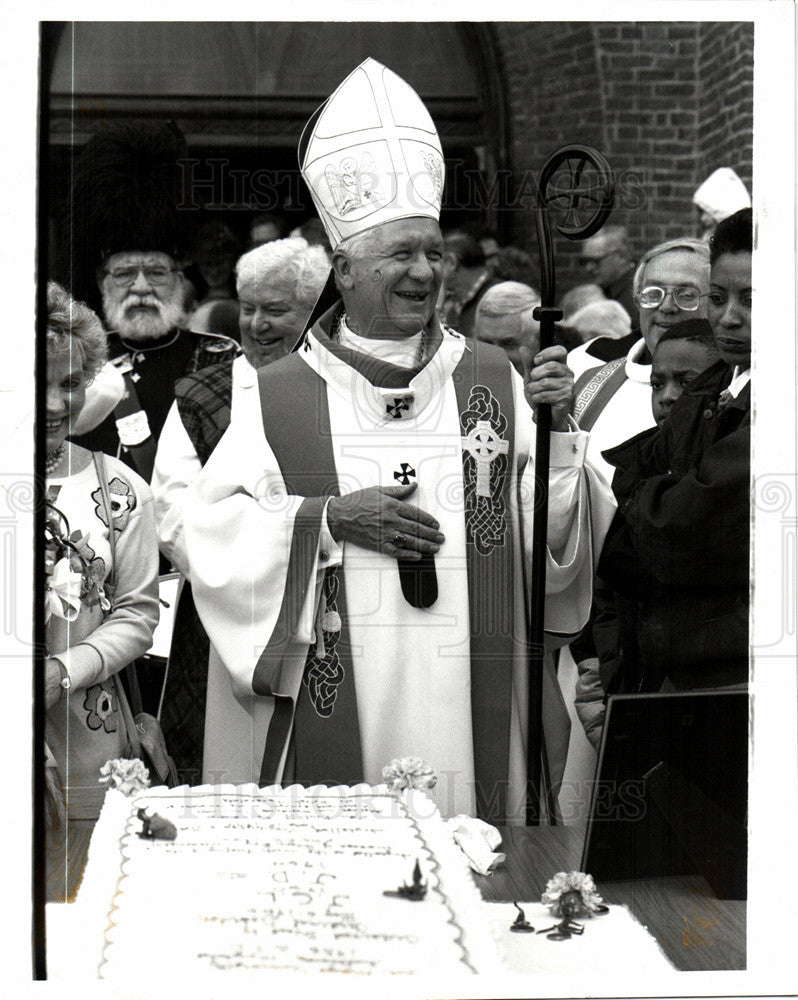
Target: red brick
column 676, row 102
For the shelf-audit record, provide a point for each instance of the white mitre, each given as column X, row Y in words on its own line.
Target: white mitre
column 371, row 154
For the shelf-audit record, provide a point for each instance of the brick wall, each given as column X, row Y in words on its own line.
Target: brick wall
column 726, row 102
column 553, row 97
column 665, row 102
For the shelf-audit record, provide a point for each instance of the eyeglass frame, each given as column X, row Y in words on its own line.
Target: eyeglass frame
column 670, row 290
column 141, row 269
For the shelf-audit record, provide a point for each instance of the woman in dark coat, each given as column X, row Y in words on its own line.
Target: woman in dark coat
column 678, row 550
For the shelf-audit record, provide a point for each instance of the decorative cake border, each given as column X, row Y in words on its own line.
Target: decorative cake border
column 474, row 937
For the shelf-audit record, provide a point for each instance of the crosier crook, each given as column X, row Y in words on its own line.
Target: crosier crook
column 570, row 197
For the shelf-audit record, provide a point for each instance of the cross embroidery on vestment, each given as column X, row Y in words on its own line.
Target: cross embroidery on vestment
column 405, row 474
column 484, row 445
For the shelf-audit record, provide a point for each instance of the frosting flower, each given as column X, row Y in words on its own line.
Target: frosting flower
column 408, row 772
column 128, row 776
column 571, row 882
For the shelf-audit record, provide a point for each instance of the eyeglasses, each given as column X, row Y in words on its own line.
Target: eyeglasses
column 123, row 277
column 684, row 296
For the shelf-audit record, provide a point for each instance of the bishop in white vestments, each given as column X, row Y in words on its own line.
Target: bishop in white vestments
column 360, row 538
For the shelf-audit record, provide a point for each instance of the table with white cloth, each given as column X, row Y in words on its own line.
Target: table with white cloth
column 686, row 925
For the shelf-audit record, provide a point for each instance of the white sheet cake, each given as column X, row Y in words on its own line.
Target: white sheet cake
column 283, row 880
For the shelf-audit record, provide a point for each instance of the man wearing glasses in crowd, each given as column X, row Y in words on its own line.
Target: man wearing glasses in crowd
column 142, row 294
column 671, row 284
column 613, row 400
column 129, row 234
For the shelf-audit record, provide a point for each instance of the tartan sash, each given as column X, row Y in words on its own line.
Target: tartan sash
column 204, row 400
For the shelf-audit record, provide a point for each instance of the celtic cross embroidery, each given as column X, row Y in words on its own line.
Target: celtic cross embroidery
column 485, row 465
column 484, row 445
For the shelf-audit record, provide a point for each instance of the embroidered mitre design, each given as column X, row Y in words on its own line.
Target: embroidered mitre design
column 371, row 154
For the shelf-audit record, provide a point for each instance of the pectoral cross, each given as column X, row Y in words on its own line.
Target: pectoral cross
column 399, row 404
column 484, row 445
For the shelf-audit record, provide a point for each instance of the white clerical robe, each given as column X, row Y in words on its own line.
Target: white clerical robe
column 626, row 413
column 177, row 465
column 411, row 665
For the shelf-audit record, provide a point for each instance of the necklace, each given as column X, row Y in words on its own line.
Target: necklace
column 53, row 459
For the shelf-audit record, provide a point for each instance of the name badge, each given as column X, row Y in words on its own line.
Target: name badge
column 123, row 364
column 133, row 429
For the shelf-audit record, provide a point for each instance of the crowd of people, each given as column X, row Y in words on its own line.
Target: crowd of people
column 330, row 434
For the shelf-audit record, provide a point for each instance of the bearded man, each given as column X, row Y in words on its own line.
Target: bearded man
column 125, row 200
column 358, row 540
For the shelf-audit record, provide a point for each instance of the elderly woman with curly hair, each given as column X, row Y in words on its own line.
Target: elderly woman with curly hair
column 101, row 568
column 277, row 285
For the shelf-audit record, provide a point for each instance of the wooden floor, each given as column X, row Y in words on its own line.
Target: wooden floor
column 695, row 930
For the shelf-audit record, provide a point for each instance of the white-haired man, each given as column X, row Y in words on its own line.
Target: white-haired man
column 355, row 540
column 604, row 318
column 142, row 294
column 277, row 284
column 504, row 318
column 613, row 400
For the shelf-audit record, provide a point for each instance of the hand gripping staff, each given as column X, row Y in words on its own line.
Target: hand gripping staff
column 577, row 184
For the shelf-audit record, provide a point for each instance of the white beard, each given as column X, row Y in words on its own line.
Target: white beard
column 141, row 327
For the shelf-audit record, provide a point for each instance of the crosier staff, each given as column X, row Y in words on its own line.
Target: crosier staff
column 573, row 200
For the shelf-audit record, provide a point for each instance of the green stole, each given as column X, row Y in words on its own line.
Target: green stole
column 323, row 730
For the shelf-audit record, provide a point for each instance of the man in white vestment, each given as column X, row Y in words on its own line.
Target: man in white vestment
column 359, row 539
column 277, row 285
column 671, row 284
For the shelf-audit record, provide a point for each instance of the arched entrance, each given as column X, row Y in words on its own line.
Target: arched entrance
column 242, row 92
